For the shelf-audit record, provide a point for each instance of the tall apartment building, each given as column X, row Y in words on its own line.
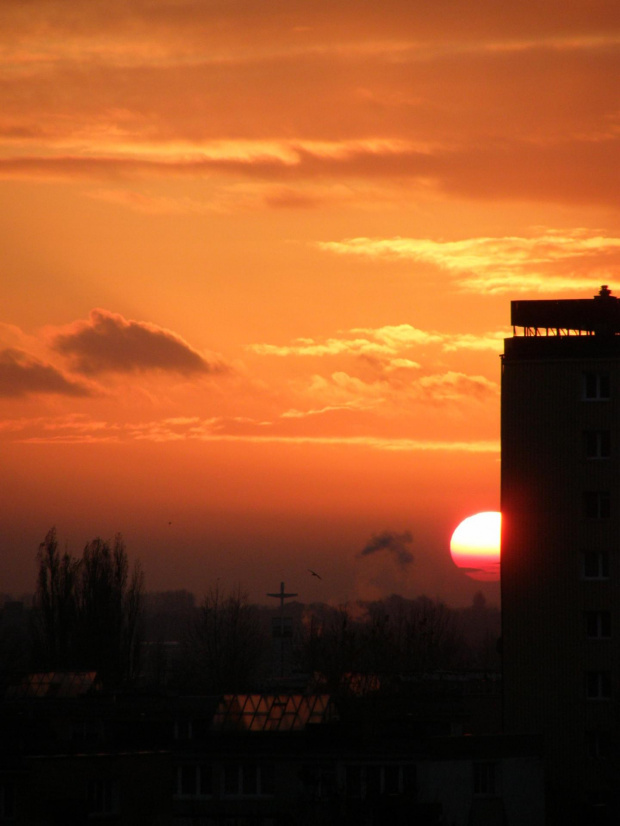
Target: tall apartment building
column 560, row 502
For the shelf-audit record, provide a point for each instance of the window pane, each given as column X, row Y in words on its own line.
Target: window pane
column 390, row 779
column 484, row 778
column 596, row 504
column 603, row 385
column 231, row 780
column 598, row 685
column 596, row 385
column 249, row 779
column 598, row 624
column 373, row 781
column 206, row 780
column 354, row 781
column 597, row 444
column 188, row 780
column 7, row 800
column 267, row 779
column 596, row 564
column 409, row 779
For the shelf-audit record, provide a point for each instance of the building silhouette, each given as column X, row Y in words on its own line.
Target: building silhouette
column 560, row 503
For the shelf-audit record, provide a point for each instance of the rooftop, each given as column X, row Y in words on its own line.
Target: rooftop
column 599, row 315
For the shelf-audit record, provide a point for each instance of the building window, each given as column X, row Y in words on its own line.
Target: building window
column 596, row 564
column 249, row 780
column 597, row 504
column 596, row 386
column 103, row 796
column 183, row 730
column 598, row 685
column 597, row 744
column 194, row 780
column 597, row 444
column 598, row 625
column 485, row 779
column 391, row 780
column 7, row 801
column 374, row 780
column 353, row 780
column 319, row 781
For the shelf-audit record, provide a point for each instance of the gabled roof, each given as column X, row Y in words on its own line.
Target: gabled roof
column 272, row 712
column 53, row 684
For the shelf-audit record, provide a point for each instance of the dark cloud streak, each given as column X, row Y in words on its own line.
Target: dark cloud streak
column 23, row 375
column 516, row 169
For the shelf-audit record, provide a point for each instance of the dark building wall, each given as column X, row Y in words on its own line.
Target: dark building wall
column 559, row 503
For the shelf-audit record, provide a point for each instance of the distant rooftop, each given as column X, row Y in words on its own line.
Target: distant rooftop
column 599, row 315
column 272, row 712
column 54, row 684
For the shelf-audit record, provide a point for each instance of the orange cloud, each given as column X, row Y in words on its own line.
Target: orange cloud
column 79, row 429
column 107, row 342
column 199, row 89
column 545, row 262
column 386, row 343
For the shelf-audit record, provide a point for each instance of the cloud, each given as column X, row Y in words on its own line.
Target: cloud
column 386, row 342
column 23, row 375
column 107, row 342
column 330, row 347
column 401, row 336
column 80, row 429
column 381, row 375
column 194, row 88
column 534, row 172
column 342, row 390
column 392, row 543
column 452, row 386
column 545, row 262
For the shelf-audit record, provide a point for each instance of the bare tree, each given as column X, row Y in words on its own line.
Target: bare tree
column 88, row 610
column 331, row 647
column 55, row 601
column 226, row 645
column 109, row 606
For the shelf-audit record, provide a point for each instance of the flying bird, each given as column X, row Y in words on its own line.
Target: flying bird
column 314, row 573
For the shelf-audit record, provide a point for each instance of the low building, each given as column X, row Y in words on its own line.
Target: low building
column 254, row 760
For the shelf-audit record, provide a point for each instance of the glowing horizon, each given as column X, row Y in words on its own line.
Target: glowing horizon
column 257, row 268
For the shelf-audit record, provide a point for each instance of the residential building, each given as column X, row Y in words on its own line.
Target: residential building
column 560, row 568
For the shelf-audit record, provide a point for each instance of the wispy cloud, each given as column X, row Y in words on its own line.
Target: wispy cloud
column 107, row 342
column 329, row 347
column 549, row 261
column 342, row 390
column 452, row 386
column 24, row 375
column 386, row 341
column 82, row 430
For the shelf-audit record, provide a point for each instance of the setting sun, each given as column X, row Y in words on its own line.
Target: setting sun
column 475, row 546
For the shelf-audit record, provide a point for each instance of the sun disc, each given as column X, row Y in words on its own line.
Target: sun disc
column 475, row 545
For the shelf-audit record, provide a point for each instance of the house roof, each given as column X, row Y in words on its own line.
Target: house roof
column 272, row 712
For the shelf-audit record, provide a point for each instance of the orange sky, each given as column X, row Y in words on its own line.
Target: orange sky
column 257, row 264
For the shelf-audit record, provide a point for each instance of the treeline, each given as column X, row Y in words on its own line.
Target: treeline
column 87, row 610
column 91, row 613
column 227, row 645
